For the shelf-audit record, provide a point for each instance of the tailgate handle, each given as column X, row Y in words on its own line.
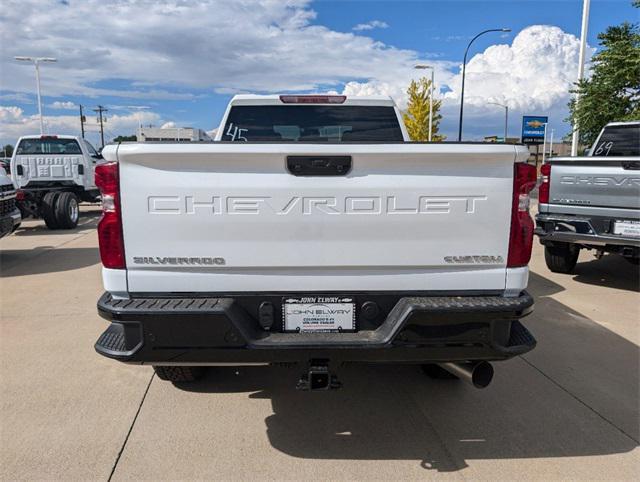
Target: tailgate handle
column 319, row 165
column 635, row 165
column 19, row 169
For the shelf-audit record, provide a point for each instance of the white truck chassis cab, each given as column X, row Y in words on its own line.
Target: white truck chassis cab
column 312, row 231
column 53, row 174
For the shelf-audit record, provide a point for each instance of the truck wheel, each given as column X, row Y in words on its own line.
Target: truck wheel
column 67, row 210
column 179, row 374
column 48, row 210
column 437, row 372
column 561, row 257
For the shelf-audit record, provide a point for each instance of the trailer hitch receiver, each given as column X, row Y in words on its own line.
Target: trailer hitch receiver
column 318, row 377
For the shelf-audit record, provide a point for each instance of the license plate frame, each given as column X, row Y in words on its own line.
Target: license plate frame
column 626, row 228
column 318, row 314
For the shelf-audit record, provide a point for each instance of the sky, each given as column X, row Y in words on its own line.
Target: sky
column 177, row 62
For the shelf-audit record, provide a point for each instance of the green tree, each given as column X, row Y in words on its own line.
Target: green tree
column 125, row 138
column 416, row 117
column 612, row 93
column 7, row 150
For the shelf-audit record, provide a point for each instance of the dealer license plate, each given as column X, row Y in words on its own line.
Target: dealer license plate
column 627, row 228
column 319, row 314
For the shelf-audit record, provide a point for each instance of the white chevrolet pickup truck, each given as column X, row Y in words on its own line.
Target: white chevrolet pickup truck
column 592, row 202
column 312, row 231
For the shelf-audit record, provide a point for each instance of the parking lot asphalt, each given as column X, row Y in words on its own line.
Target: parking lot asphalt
column 569, row 409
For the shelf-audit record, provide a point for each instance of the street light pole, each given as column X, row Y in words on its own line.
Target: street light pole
column 36, row 61
column 583, row 47
column 506, row 118
column 544, row 143
column 464, row 65
column 137, row 109
column 420, row 66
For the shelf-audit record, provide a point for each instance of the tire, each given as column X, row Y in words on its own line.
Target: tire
column 436, row 372
column 48, row 210
column 179, row 374
column 67, row 210
column 561, row 257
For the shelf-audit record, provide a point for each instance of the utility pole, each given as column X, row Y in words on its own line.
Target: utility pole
column 82, row 121
column 583, row 46
column 100, row 110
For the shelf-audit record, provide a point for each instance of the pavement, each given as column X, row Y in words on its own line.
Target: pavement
column 567, row 410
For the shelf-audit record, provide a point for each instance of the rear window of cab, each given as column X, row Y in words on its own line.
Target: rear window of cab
column 618, row 141
column 312, row 123
column 48, row 146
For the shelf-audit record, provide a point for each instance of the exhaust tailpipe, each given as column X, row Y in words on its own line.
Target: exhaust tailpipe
column 478, row 374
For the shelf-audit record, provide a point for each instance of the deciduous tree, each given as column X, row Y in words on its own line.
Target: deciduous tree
column 416, row 117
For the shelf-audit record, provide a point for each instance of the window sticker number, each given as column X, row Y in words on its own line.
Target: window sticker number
column 603, row 149
column 235, row 133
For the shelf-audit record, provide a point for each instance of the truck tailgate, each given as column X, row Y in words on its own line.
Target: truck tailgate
column 221, row 217
column 47, row 168
column 595, row 181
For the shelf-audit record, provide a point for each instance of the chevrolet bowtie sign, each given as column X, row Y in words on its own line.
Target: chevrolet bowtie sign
column 533, row 129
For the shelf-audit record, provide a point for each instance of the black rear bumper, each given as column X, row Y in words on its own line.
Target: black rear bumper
column 163, row 331
column 596, row 231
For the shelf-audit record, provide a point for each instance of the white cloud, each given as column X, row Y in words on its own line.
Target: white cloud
column 15, row 123
column 17, row 97
column 371, row 25
column 395, row 83
column 167, row 49
column 535, row 72
column 168, row 125
column 533, row 75
column 63, row 105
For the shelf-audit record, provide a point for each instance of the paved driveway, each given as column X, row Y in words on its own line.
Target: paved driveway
column 569, row 409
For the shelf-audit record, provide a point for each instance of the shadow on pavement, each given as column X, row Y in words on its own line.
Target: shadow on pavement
column 88, row 221
column 575, row 395
column 44, row 259
column 612, row 271
column 591, row 362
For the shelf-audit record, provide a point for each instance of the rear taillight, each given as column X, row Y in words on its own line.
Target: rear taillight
column 313, row 99
column 521, row 236
column 110, row 225
column 545, row 178
column 20, row 196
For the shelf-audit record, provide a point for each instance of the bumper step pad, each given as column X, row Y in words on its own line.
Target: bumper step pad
column 219, row 329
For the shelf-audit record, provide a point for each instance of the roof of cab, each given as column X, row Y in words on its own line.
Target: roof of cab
column 54, row 136
column 251, row 99
column 625, row 123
